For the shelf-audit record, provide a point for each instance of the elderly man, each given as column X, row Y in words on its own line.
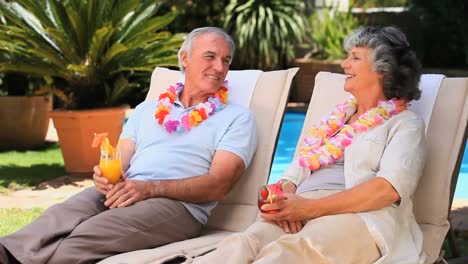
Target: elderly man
column 180, row 153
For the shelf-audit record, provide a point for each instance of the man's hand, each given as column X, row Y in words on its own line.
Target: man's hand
column 126, row 193
column 101, row 183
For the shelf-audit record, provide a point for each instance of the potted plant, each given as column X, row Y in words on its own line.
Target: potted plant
column 23, row 114
column 324, row 44
column 92, row 50
column 265, row 32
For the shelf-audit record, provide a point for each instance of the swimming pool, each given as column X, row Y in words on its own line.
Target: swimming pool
column 289, row 134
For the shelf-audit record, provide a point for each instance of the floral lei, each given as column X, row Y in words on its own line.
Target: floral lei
column 324, row 146
column 193, row 118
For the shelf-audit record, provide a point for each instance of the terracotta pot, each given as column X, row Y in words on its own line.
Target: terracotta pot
column 303, row 84
column 24, row 121
column 75, row 131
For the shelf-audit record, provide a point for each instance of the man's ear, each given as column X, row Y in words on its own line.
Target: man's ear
column 184, row 58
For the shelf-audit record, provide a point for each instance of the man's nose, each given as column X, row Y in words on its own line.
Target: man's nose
column 218, row 65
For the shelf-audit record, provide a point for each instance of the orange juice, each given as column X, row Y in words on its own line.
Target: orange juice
column 110, row 162
column 111, row 168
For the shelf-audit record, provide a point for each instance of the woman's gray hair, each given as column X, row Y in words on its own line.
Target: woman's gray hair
column 392, row 57
column 192, row 36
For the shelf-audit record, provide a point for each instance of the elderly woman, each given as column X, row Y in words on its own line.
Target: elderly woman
column 348, row 195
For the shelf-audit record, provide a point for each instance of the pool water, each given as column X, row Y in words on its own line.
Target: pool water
column 289, row 134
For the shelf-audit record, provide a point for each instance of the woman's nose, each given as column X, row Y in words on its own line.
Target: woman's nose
column 344, row 63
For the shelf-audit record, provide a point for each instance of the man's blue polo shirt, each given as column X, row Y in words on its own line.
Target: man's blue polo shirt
column 160, row 155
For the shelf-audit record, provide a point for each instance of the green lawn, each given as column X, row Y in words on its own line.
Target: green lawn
column 23, row 169
column 14, row 218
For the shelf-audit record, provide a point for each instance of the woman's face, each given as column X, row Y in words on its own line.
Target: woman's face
column 360, row 76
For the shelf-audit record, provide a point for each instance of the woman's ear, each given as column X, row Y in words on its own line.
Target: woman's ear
column 380, row 76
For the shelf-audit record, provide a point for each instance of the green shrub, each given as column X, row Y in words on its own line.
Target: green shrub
column 196, row 13
column 379, row 3
column 329, row 28
column 265, row 32
column 444, row 30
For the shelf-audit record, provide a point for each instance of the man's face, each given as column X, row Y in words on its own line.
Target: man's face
column 208, row 64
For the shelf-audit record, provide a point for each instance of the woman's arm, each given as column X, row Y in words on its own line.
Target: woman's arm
column 373, row 194
column 401, row 166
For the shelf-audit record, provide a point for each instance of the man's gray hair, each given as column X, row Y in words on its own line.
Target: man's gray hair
column 192, row 36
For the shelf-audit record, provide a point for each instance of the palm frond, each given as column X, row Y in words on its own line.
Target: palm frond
column 91, row 44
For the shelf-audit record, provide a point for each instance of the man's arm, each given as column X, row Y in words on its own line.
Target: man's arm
column 225, row 171
column 232, row 156
column 127, row 149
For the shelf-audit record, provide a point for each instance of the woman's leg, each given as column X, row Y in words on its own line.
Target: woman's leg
column 36, row 242
column 340, row 238
column 242, row 248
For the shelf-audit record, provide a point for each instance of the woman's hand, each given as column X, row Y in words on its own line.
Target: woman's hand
column 125, row 193
column 290, row 226
column 288, row 186
column 291, row 209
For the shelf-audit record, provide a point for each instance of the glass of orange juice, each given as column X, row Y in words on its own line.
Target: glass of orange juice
column 111, row 164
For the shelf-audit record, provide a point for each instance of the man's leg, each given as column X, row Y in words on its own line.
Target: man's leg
column 36, row 242
column 6, row 257
column 146, row 224
column 3, row 255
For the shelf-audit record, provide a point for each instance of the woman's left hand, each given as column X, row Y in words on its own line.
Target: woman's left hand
column 291, row 208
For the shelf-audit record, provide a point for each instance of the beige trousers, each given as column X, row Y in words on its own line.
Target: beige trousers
column 339, row 239
column 83, row 230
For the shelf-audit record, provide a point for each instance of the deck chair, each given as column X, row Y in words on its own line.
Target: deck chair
column 444, row 107
column 269, row 94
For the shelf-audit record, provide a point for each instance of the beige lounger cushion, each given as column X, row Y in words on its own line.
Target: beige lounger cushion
column 239, row 209
column 444, row 139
